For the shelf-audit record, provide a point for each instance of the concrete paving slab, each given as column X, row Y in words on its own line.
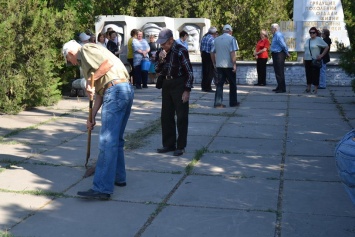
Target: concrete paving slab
column 313, row 129
column 209, row 222
column 271, row 113
column 311, row 168
column 203, row 128
column 250, row 119
column 29, row 177
column 239, row 165
column 304, row 113
column 265, row 96
column 201, row 118
column 143, row 187
column 252, row 131
column 152, row 161
column 308, row 225
column 258, row 105
column 305, row 105
column 17, row 152
column 14, row 207
column 246, row 194
column 75, row 217
column 68, row 155
column 46, row 136
column 250, row 146
column 306, row 147
column 323, row 198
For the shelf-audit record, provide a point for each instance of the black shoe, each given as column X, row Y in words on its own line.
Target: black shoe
column 280, row 91
column 145, row 86
column 261, row 84
column 257, row 84
column 165, row 149
column 276, row 89
column 120, row 184
column 178, row 152
column 236, row 105
column 94, row 195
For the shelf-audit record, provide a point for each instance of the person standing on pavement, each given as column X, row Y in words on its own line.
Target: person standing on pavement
column 279, row 52
column 183, row 35
column 134, row 33
column 325, row 60
column 208, row 71
column 173, row 64
column 115, row 95
column 224, row 59
column 262, row 56
column 312, row 49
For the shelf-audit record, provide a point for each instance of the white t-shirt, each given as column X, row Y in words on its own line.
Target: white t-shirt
column 316, row 45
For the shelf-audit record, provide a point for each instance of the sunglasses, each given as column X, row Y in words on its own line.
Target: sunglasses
column 313, row 32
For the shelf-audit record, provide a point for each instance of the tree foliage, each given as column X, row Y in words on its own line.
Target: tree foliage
column 29, row 58
column 347, row 59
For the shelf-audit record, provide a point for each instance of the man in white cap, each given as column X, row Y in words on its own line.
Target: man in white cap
column 173, row 64
column 224, row 59
column 84, row 38
column 115, row 95
column 208, row 71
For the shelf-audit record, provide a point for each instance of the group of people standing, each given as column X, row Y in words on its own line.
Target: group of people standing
column 316, row 48
column 114, row 93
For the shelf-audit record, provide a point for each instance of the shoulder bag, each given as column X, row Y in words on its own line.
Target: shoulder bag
column 315, row 62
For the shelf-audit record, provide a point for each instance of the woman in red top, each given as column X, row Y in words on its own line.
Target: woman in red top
column 261, row 56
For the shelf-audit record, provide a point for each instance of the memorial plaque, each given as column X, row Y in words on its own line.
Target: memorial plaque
column 320, row 14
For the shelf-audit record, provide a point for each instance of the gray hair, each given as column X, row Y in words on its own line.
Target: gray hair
column 275, row 26
column 69, row 46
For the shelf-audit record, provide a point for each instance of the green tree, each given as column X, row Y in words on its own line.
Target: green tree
column 29, row 58
column 347, row 60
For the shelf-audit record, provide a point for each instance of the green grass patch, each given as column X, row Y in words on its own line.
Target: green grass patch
column 36, row 193
column 136, row 140
column 198, row 154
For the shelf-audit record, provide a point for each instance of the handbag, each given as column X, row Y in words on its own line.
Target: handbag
column 145, row 64
column 315, row 62
column 159, row 83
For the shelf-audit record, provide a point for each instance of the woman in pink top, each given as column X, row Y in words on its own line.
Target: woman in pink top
column 262, row 56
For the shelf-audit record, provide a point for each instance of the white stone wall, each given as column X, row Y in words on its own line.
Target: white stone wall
column 294, row 74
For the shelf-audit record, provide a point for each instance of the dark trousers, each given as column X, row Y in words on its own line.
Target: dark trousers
column 131, row 73
column 279, row 68
column 140, row 77
column 208, row 71
column 172, row 105
column 261, row 69
column 312, row 73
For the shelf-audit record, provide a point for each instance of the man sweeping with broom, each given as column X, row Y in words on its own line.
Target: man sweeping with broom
column 115, row 95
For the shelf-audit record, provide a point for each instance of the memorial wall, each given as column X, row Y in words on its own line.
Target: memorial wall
column 195, row 27
column 323, row 14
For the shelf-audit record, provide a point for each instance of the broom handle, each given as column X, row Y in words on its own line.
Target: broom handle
column 90, row 120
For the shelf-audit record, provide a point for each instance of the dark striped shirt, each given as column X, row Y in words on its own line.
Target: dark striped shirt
column 176, row 64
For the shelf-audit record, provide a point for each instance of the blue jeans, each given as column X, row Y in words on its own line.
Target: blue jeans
column 345, row 162
column 323, row 76
column 222, row 75
column 110, row 166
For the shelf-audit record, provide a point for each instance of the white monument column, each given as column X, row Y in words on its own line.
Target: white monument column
column 322, row 14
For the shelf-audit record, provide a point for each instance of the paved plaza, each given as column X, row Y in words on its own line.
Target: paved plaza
column 263, row 169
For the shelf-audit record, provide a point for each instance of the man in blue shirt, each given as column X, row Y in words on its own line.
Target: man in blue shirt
column 279, row 52
column 208, row 71
column 224, row 59
column 183, row 35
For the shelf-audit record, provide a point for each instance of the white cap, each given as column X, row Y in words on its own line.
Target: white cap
column 84, row 37
column 227, row 28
